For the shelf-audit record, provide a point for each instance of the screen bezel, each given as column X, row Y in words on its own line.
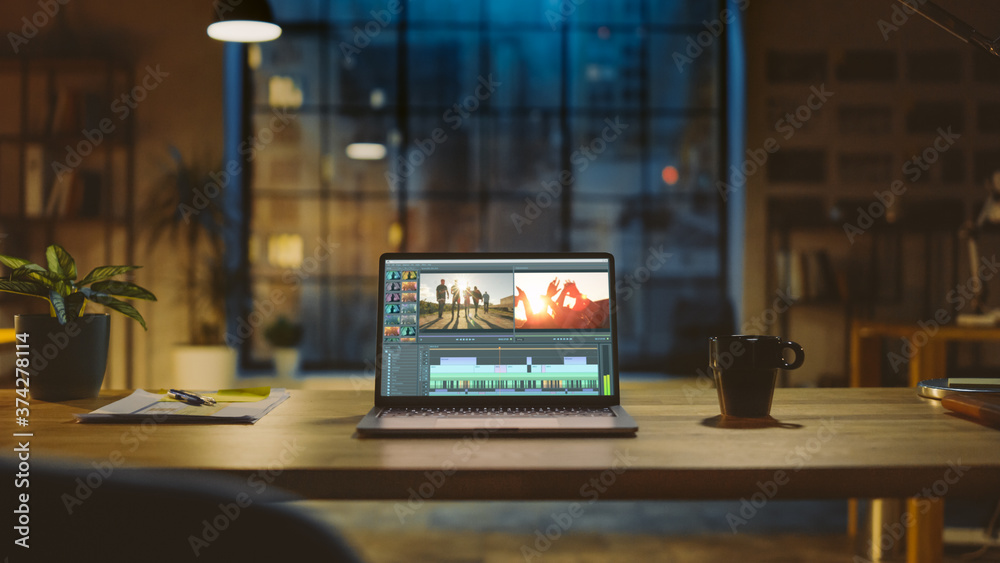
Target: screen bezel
column 469, row 400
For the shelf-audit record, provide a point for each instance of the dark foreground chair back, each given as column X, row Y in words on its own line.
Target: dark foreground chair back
column 102, row 513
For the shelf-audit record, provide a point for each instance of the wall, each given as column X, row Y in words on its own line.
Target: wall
column 183, row 110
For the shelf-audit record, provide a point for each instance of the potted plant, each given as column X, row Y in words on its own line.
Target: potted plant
column 188, row 209
column 67, row 350
column 284, row 336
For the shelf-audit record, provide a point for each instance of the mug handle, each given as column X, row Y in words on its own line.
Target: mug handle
column 800, row 355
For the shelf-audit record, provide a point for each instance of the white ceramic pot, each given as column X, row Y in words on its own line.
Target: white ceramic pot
column 204, row 367
column 286, row 362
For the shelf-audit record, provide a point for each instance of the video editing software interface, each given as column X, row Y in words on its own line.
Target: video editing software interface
column 497, row 327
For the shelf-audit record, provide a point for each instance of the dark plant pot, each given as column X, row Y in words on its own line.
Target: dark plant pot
column 67, row 362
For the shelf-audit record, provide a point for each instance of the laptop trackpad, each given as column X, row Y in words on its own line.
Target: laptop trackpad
column 498, row 423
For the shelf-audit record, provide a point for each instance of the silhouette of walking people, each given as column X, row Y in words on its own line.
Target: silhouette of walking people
column 455, row 298
column 468, row 300
column 486, row 302
column 442, row 296
column 476, row 296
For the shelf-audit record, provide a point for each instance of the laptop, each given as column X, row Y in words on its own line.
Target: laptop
column 516, row 344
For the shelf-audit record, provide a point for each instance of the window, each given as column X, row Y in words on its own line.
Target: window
column 486, row 126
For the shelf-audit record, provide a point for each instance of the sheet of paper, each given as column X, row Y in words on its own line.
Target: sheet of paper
column 141, row 405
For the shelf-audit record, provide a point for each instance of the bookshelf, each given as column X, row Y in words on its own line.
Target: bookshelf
column 888, row 97
column 67, row 167
column 66, row 157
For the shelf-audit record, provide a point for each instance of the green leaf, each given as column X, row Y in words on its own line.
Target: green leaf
column 65, row 288
column 59, row 306
column 105, row 272
column 60, row 262
column 24, row 288
column 120, row 306
column 74, row 305
column 26, row 269
column 13, row 263
column 36, row 275
column 123, row 289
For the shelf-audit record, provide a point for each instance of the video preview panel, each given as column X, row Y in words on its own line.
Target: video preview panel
column 460, row 301
column 564, row 300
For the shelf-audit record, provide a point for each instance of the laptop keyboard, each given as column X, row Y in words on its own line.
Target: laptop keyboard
column 496, row 411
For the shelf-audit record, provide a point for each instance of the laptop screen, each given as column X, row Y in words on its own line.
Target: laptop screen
column 498, row 328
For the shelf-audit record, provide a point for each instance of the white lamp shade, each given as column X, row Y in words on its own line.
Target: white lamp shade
column 365, row 151
column 244, row 31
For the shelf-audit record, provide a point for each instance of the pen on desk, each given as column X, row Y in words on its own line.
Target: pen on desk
column 190, row 397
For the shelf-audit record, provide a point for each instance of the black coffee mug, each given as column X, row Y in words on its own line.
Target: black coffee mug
column 745, row 367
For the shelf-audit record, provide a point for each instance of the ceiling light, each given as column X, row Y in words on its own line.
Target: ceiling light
column 365, row 151
column 250, row 21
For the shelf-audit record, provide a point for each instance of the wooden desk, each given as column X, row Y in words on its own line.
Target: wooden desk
column 927, row 361
column 832, row 443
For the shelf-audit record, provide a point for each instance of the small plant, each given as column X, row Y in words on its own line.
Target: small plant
column 283, row 333
column 68, row 297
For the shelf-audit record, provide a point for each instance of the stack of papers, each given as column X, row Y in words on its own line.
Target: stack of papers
column 234, row 406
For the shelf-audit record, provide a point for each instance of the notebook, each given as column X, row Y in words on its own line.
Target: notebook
column 502, row 343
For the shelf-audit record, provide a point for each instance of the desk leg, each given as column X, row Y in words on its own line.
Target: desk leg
column 852, row 520
column 924, row 539
column 881, row 532
column 866, row 360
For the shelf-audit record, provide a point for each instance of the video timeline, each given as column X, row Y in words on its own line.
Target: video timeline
column 515, row 370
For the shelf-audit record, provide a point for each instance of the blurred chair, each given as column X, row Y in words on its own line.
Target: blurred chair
column 102, row 513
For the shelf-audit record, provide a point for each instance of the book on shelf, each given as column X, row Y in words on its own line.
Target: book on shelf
column 34, row 180
column 60, row 194
column 75, row 110
column 821, row 281
column 807, row 275
column 75, row 194
column 65, row 114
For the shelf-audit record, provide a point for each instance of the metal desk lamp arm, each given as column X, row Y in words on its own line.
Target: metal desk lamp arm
column 948, row 22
